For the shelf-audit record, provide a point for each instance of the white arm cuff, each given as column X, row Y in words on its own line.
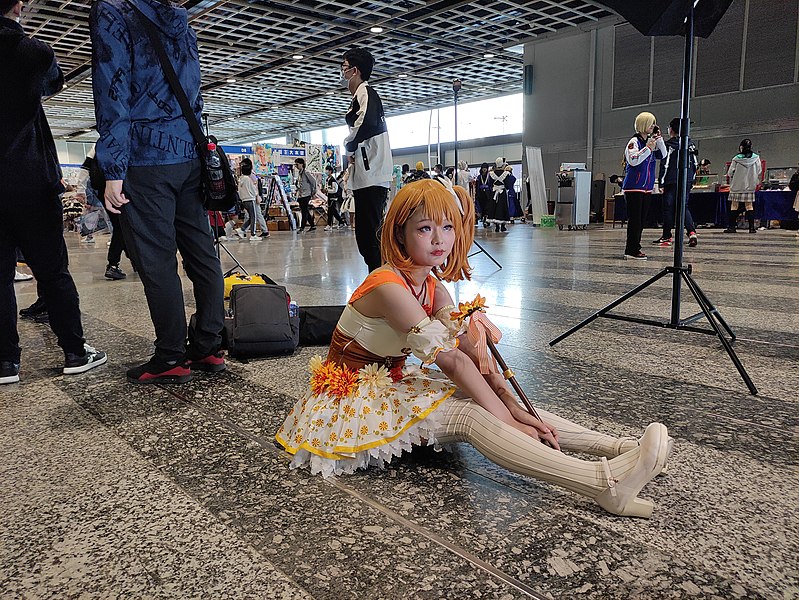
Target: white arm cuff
column 428, row 338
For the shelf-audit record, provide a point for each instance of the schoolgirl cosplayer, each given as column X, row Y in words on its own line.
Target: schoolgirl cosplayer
column 365, row 405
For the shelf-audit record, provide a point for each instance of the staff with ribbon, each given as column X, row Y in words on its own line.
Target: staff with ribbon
column 482, row 333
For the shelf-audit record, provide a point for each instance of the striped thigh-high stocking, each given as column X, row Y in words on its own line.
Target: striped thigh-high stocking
column 466, row 421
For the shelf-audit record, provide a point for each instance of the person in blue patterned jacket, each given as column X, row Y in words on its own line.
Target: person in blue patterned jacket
column 639, row 178
column 149, row 159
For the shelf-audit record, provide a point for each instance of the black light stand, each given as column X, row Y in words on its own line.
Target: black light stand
column 456, row 87
column 678, row 271
column 218, row 245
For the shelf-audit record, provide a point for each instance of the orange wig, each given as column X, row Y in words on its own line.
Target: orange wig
column 438, row 204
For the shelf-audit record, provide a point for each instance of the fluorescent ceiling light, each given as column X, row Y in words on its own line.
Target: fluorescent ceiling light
column 488, row 55
column 297, row 56
column 376, row 29
column 230, row 80
column 402, row 75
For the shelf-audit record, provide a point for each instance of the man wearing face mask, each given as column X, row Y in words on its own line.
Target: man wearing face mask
column 369, row 153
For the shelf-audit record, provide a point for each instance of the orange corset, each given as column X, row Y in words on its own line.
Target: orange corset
column 344, row 350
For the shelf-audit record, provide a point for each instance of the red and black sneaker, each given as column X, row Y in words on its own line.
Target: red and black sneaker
column 156, row 370
column 213, row 363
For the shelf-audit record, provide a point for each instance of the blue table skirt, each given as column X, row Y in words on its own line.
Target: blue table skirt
column 711, row 207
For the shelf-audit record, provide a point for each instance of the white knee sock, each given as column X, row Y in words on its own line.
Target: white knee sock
column 466, row 421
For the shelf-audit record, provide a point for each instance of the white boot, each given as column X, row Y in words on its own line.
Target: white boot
column 621, row 497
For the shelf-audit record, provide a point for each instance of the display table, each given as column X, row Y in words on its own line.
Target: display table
column 712, row 207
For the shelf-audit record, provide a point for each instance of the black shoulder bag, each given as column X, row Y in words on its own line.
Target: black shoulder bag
column 219, row 187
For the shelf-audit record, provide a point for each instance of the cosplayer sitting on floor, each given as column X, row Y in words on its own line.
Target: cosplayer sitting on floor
column 366, row 406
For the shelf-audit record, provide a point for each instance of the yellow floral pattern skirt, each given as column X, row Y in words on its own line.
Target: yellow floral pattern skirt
column 366, row 421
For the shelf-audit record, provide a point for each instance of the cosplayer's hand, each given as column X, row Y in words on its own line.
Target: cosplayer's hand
column 114, row 198
column 545, row 432
column 651, row 143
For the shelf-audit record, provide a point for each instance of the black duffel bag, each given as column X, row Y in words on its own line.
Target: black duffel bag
column 317, row 324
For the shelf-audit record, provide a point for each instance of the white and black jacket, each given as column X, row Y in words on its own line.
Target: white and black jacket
column 368, row 141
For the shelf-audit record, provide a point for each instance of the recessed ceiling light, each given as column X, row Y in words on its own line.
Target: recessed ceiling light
column 297, row 56
column 376, row 29
column 330, row 92
column 231, row 80
column 274, row 106
column 488, row 55
column 402, row 75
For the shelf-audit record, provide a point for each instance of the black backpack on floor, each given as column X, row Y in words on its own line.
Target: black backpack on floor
column 260, row 325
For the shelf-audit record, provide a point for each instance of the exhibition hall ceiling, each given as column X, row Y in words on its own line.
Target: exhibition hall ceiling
column 255, row 85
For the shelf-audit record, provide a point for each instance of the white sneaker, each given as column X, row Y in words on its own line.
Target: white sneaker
column 240, row 233
column 255, row 238
column 87, row 240
column 108, row 243
column 222, row 238
column 328, row 228
column 22, row 276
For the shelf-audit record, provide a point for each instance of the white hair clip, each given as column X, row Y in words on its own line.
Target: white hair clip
column 448, row 184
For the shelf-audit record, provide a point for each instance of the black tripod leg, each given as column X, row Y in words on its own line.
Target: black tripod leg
column 709, row 304
column 706, row 308
column 610, row 306
column 221, row 246
column 483, row 250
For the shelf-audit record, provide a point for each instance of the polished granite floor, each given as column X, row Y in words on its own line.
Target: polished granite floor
column 117, row 491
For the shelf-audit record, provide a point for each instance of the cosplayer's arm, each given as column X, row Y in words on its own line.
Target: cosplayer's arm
column 441, row 308
column 396, row 304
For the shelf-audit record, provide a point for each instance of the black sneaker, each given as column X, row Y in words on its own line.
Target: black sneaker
column 91, row 358
column 212, row 363
column 113, row 272
column 156, row 370
column 9, row 372
column 638, row 256
column 37, row 308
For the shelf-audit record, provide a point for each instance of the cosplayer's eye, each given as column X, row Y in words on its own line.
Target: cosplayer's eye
column 424, row 228
column 449, row 227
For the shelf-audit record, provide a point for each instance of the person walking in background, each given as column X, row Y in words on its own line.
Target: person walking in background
column 668, row 183
column 369, row 153
column 248, row 194
column 31, row 182
column 153, row 178
column 333, row 191
column 515, row 210
column 639, row 179
column 306, row 188
column 498, row 209
column 91, row 184
column 483, row 193
column 463, row 177
column 745, row 174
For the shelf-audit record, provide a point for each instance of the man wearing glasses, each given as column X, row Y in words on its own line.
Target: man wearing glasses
column 369, row 153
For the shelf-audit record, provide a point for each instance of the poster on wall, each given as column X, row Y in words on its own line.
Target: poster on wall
column 331, row 156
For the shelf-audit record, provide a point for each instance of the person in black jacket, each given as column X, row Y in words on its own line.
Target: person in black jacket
column 30, row 182
column 668, row 183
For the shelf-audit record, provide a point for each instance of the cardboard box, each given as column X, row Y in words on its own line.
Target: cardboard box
column 271, row 225
column 276, row 211
column 282, row 225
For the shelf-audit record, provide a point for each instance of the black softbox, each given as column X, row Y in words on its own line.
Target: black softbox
column 667, row 17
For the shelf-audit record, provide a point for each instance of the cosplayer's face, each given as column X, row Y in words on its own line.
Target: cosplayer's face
column 427, row 243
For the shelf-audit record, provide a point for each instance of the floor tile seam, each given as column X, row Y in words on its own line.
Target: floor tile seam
column 194, row 500
column 684, row 382
column 270, row 447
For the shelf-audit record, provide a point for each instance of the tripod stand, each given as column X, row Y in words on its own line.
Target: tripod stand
column 678, row 271
column 219, row 247
column 456, row 87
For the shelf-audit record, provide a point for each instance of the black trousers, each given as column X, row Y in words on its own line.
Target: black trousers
column 305, row 210
column 46, row 254
column 637, row 207
column 669, row 200
column 165, row 215
column 370, row 203
column 332, row 211
column 117, row 240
